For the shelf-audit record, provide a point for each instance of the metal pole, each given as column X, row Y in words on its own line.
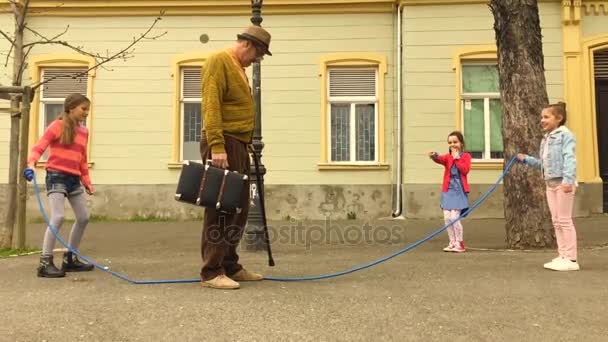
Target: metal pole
column 254, row 235
column 23, row 152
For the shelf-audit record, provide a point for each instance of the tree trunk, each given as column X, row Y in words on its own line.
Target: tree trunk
column 523, row 93
column 7, row 232
column 23, row 152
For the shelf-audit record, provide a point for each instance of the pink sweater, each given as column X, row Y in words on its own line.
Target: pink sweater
column 71, row 159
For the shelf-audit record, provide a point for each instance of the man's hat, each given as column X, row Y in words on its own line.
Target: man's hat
column 258, row 36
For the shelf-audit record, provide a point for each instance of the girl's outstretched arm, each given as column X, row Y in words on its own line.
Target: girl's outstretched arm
column 439, row 159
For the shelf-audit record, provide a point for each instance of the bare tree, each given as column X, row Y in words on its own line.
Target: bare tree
column 19, row 51
column 523, row 93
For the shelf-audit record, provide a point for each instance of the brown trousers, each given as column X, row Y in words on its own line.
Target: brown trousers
column 223, row 232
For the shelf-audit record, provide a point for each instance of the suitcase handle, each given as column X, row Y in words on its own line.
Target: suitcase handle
column 220, row 195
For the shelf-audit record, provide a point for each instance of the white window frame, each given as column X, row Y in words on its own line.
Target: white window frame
column 486, row 97
column 182, row 101
column 353, row 101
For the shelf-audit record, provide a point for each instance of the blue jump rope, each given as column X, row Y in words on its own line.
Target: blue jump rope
column 317, row 277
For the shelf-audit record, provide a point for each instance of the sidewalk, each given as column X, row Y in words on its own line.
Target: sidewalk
column 486, row 294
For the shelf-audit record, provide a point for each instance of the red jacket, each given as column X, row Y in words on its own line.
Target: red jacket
column 463, row 164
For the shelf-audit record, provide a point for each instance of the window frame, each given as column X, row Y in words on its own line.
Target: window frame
column 353, row 101
column 183, row 101
column 353, row 61
column 181, row 61
column 58, row 61
column 486, row 97
column 483, row 54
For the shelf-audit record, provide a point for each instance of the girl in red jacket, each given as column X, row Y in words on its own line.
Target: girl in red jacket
column 455, row 189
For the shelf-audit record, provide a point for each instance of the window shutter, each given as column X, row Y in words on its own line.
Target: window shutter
column 64, row 82
column 192, row 84
column 352, row 82
column 600, row 60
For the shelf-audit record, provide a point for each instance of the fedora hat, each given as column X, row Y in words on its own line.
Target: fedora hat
column 258, row 36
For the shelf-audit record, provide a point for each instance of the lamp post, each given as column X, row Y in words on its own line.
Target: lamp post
column 254, row 238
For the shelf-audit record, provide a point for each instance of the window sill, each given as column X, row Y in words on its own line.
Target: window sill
column 175, row 165
column 353, row 167
column 42, row 164
column 178, row 165
column 487, row 165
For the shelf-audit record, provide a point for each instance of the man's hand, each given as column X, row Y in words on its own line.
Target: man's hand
column 567, row 187
column 219, row 160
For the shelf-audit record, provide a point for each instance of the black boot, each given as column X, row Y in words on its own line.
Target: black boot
column 72, row 264
column 47, row 269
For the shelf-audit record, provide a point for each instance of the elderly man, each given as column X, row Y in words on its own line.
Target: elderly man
column 229, row 120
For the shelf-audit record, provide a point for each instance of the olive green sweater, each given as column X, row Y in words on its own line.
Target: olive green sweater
column 228, row 107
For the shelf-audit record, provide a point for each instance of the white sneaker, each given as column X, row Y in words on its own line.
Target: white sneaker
column 563, row 264
column 449, row 248
column 550, row 263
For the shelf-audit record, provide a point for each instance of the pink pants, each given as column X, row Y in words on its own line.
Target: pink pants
column 455, row 231
column 561, row 205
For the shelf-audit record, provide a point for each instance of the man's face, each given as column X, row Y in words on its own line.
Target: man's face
column 251, row 53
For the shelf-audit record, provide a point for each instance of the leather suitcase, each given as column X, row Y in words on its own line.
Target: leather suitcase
column 211, row 187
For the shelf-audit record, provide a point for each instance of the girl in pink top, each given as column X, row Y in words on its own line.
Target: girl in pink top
column 67, row 171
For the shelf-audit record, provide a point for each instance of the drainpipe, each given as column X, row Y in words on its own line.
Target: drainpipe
column 398, row 186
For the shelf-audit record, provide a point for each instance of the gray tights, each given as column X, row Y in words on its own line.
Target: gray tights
column 56, row 202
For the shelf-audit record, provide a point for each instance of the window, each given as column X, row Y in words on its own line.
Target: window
column 353, row 108
column 191, row 116
column 481, row 110
column 352, row 111
column 60, row 83
column 187, row 119
column 65, row 74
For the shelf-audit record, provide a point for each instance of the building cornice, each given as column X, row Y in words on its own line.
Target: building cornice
column 80, row 8
column 450, row 2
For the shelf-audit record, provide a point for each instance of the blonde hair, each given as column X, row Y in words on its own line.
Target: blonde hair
column 69, row 124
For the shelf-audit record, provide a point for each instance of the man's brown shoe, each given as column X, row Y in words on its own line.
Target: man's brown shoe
column 244, row 275
column 221, row 282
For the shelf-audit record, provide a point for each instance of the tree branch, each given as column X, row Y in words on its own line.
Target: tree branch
column 101, row 60
column 5, row 35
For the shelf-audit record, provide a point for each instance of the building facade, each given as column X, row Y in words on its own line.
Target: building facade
column 347, row 116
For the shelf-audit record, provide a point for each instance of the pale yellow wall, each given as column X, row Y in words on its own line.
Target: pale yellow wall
column 432, row 34
column 594, row 25
column 6, row 25
column 131, row 134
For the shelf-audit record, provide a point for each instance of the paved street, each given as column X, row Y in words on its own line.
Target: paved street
column 486, row 294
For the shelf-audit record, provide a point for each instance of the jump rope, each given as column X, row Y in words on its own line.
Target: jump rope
column 284, row 279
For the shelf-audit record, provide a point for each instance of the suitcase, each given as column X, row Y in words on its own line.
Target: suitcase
column 211, row 187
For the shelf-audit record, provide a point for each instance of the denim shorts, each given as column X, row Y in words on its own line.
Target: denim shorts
column 57, row 181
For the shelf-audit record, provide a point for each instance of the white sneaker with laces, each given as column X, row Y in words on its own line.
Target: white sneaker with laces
column 449, row 248
column 563, row 264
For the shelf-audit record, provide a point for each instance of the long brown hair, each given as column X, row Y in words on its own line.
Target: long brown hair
column 69, row 124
